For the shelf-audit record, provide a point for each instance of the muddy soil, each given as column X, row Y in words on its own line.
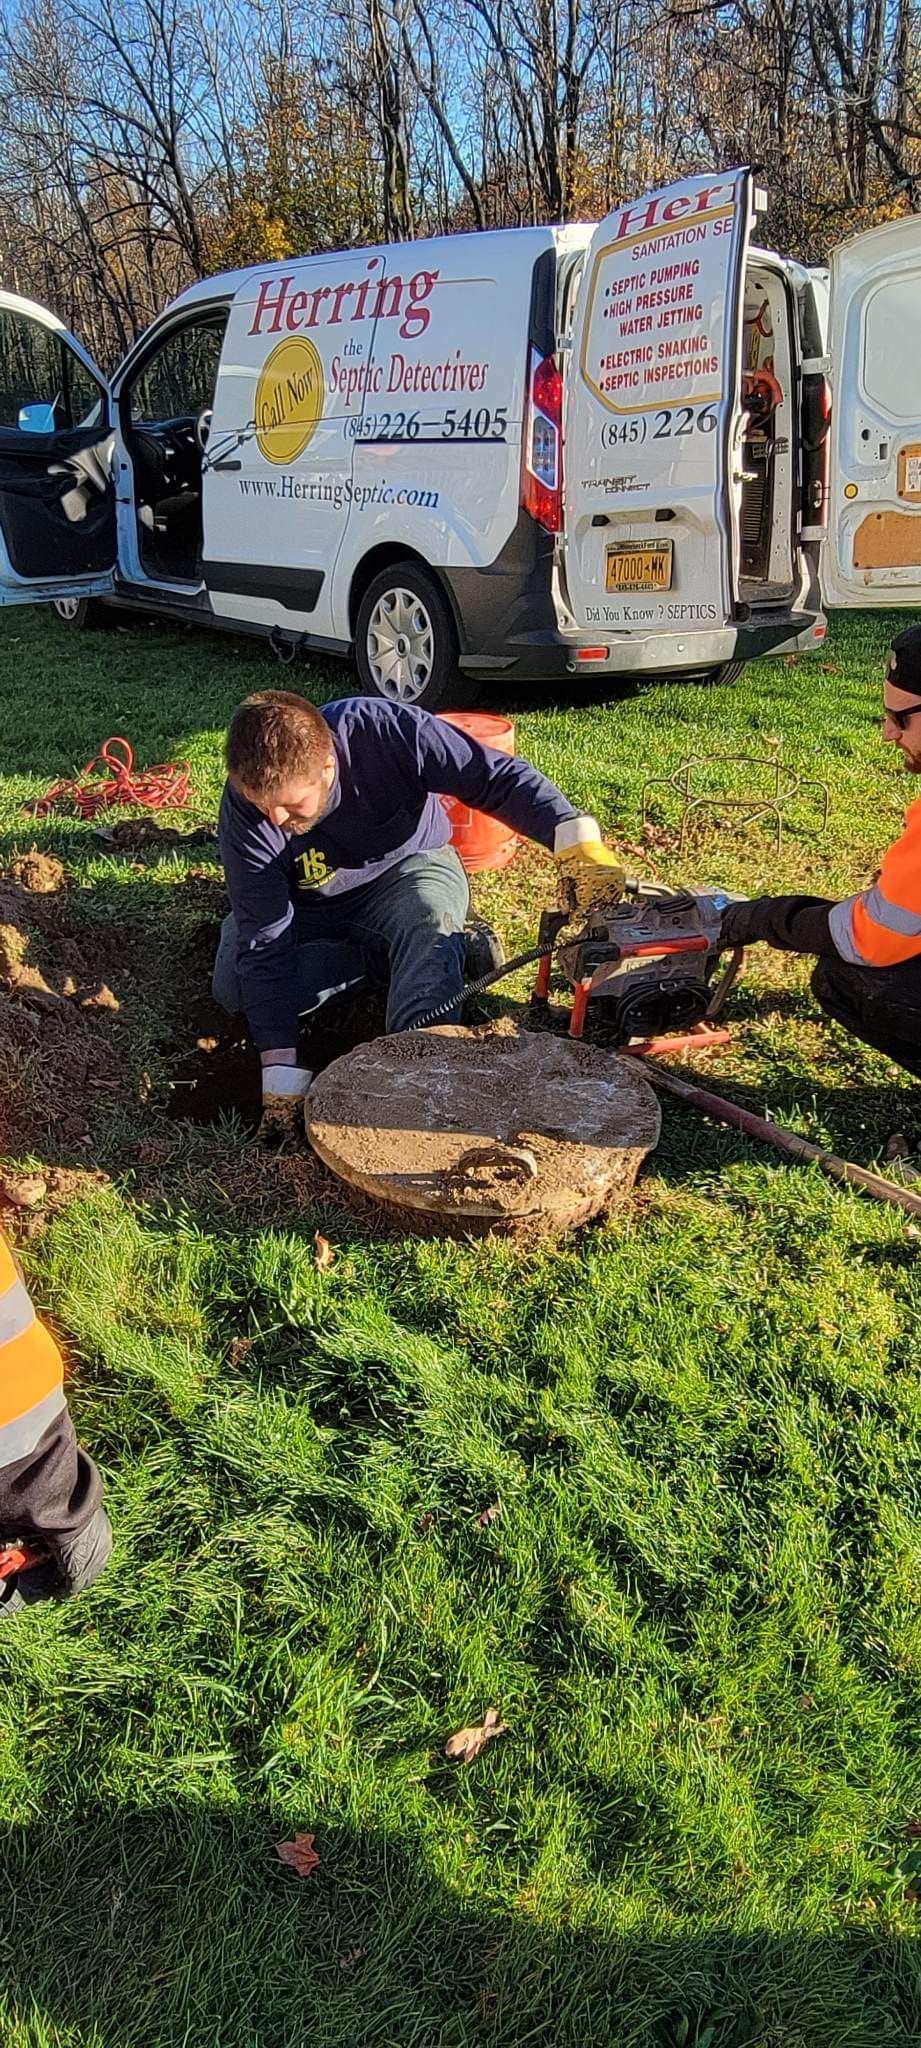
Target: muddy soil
column 220, row 1075
column 80, row 969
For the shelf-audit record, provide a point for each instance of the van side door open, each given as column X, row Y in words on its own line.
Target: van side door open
column 653, row 419
column 873, row 552
column 57, row 495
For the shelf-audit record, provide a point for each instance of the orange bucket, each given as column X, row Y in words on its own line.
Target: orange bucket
column 481, row 842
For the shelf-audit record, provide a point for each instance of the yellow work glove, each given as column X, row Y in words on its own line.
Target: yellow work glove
column 589, row 871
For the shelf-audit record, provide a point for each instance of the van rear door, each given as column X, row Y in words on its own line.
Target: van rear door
column 652, row 467
column 57, row 495
column 873, row 552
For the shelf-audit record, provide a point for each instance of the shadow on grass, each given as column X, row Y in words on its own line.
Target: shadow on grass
column 144, row 1929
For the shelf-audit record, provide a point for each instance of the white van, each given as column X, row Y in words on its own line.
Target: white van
column 512, row 454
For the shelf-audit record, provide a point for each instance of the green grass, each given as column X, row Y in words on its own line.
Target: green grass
column 698, row 1610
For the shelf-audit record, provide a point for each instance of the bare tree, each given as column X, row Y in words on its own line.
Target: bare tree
column 143, row 142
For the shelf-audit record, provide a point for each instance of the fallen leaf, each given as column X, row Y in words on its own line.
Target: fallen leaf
column 323, row 1253
column 426, row 1521
column 300, row 1855
column 239, row 1346
column 350, row 1958
column 468, row 1742
column 488, row 1515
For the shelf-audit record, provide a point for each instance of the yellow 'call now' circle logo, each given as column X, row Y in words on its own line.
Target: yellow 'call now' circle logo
column 289, row 399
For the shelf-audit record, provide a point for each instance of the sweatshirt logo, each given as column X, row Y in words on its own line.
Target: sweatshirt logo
column 314, row 868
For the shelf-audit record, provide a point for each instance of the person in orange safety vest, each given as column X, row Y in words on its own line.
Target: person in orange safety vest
column 50, row 1491
column 868, row 972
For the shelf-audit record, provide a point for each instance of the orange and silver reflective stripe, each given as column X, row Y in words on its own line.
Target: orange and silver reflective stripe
column 31, row 1373
column 870, row 931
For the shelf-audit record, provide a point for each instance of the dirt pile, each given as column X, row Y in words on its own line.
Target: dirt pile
column 52, row 1061
column 28, row 1201
column 33, row 924
column 41, row 873
column 70, row 958
column 131, row 834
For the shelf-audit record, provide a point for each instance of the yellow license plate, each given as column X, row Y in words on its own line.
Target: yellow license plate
column 638, row 565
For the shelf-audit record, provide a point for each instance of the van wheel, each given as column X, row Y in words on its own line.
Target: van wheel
column 405, row 643
column 729, row 672
column 78, row 612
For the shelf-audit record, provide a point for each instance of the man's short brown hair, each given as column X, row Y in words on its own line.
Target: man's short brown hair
column 274, row 737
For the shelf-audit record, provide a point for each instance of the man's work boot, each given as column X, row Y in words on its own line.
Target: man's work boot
column 484, row 952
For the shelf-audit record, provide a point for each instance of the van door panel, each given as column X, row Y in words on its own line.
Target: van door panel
column 438, row 427
column 57, row 497
column 278, row 467
column 769, row 453
column 651, row 484
column 873, row 555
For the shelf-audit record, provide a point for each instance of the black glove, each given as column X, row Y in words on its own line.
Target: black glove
column 794, row 924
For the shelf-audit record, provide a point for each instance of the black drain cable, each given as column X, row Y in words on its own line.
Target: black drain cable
column 483, row 981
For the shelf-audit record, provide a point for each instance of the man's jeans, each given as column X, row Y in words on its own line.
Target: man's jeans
column 403, row 931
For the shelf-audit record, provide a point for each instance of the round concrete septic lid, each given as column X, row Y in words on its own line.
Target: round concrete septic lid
column 495, row 1126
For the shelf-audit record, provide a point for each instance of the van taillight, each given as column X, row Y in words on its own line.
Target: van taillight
column 816, row 425
column 542, row 485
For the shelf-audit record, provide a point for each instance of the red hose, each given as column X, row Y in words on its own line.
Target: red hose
column 164, row 788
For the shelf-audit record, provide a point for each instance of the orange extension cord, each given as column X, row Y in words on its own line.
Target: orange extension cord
column 164, row 788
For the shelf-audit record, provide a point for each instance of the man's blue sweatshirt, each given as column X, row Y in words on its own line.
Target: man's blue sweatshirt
column 391, row 765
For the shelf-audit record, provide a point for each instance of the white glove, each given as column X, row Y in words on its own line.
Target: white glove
column 283, row 1093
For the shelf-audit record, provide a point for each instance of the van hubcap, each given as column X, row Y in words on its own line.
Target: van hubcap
column 401, row 646
column 67, row 608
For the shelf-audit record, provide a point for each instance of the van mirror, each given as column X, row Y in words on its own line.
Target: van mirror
column 36, row 419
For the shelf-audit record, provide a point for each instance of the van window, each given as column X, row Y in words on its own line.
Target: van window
column 38, row 368
column 178, row 381
column 890, row 347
